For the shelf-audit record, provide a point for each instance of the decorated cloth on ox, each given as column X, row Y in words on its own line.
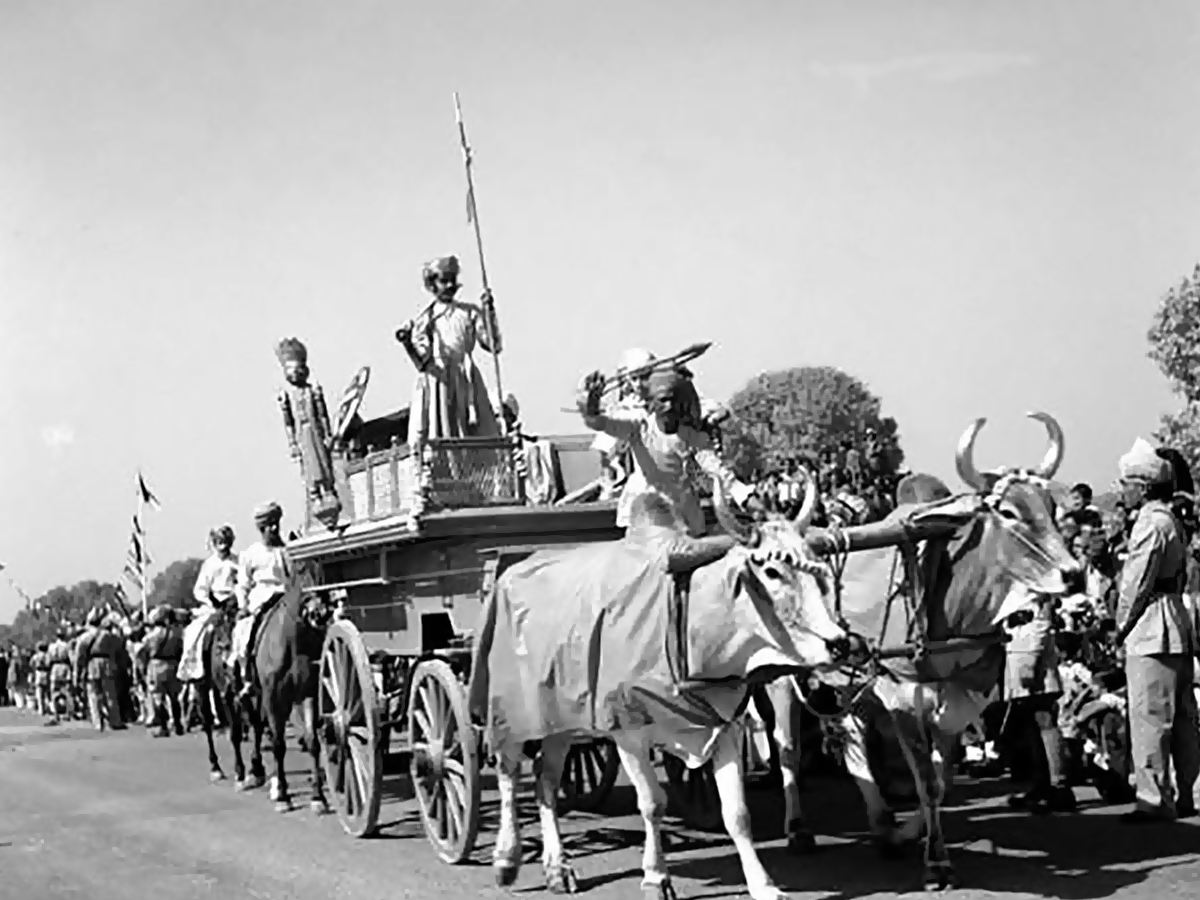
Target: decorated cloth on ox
column 605, row 637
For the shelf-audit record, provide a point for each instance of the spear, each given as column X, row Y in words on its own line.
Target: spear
column 473, row 218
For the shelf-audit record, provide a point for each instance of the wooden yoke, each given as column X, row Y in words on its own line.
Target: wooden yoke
column 888, row 533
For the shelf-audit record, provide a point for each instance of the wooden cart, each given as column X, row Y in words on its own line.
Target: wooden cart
column 421, row 537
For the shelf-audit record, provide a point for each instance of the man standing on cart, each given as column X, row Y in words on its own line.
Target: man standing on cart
column 450, row 398
column 666, row 443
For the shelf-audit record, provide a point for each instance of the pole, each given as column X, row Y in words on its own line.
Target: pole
column 141, row 518
column 473, row 210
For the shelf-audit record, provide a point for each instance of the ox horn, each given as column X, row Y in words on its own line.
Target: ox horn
column 1054, row 453
column 725, row 513
column 809, row 506
column 964, row 456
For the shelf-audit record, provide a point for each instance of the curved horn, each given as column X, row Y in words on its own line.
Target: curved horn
column 964, row 456
column 809, row 506
column 725, row 514
column 1054, row 453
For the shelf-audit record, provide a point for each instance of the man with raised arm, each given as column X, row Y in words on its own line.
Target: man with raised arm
column 666, row 443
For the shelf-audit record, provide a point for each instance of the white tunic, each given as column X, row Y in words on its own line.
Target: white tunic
column 262, row 573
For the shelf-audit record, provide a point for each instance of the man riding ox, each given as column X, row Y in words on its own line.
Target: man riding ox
column 666, row 444
column 654, row 640
column 264, row 573
column 968, row 562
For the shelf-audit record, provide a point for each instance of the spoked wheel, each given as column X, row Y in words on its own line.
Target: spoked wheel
column 445, row 760
column 349, row 716
column 589, row 773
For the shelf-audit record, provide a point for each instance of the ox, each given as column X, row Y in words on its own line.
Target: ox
column 980, row 557
column 603, row 640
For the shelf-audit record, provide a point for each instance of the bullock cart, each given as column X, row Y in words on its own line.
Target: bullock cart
column 420, row 539
column 694, row 791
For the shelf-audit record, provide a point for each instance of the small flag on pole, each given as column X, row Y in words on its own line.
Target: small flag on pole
column 134, row 576
column 146, row 494
column 137, row 526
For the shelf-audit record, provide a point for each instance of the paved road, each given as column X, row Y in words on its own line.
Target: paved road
column 120, row 815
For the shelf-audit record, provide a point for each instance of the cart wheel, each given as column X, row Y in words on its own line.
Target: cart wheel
column 445, row 760
column 349, row 717
column 693, row 792
column 589, row 773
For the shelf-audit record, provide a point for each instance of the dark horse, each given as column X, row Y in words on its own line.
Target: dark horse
column 287, row 656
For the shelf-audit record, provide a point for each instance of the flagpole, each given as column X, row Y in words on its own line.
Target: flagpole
column 141, row 518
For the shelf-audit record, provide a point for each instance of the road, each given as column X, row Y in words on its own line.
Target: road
column 121, row 816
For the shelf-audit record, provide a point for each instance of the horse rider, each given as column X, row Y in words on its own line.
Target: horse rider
column 450, row 397
column 97, row 658
column 164, row 647
column 264, row 573
column 1155, row 630
column 61, row 674
column 215, row 593
column 666, row 444
column 40, row 664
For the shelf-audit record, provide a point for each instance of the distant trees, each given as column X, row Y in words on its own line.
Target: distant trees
column 807, row 411
column 1174, row 337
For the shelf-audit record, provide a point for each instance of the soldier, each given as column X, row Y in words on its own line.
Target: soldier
column 96, row 664
column 1157, row 635
column 264, row 573
column 666, row 445
column 59, row 655
column 163, row 647
column 40, row 664
column 450, row 398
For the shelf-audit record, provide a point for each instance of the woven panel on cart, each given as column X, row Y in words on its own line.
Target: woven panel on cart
column 469, row 472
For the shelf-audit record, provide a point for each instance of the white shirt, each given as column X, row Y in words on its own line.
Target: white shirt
column 262, row 573
column 217, row 580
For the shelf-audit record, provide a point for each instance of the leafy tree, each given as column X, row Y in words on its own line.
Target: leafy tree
column 803, row 412
column 173, row 585
column 1174, row 338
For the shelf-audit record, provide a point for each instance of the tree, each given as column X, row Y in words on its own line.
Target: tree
column 804, row 412
column 173, row 585
column 1174, row 338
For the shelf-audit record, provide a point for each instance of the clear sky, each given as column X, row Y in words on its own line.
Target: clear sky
column 971, row 206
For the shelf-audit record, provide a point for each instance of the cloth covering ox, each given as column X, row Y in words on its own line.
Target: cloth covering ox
column 992, row 551
column 650, row 641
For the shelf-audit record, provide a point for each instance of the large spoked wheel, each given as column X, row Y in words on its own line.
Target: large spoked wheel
column 350, row 747
column 445, row 760
column 589, row 773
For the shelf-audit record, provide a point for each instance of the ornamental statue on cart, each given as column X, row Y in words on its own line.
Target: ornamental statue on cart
column 306, row 421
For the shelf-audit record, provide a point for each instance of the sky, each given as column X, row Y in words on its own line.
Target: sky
column 974, row 207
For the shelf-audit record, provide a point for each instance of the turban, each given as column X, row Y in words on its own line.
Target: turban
column 291, row 350
column 921, row 488
column 268, row 513
column 513, row 407
column 443, row 265
column 1143, row 464
column 666, row 384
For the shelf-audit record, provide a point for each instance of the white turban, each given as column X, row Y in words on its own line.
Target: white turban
column 1141, row 463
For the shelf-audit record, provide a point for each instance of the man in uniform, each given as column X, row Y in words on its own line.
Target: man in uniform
column 264, row 573
column 1157, row 635
column 59, row 655
column 40, row 663
column 96, row 662
column 666, row 444
column 450, row 397
column 163, row 647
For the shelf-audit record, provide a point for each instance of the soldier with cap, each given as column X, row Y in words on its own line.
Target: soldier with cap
column 163, row 647
column 666, row 443
column 59, row 655
column 97, row 657
column 1155, row 630
column 40, row 663
column 450, row 398
column 264, row 574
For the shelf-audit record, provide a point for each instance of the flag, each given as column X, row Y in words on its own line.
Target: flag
column 119, row 593
column 145, row 493
column 134, row 576
column 137, row 526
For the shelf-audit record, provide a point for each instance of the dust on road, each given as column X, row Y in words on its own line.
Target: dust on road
column 121, row 816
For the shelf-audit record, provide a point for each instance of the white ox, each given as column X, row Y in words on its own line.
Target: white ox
column 992, row 550
column 774, row 590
